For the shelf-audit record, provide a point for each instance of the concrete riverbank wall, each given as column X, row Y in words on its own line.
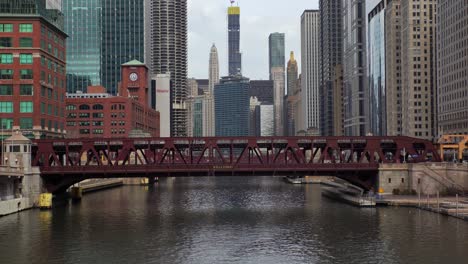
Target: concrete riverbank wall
column 425, row 178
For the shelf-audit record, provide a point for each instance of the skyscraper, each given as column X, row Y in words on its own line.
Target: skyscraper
column 214, row 68
column 232, row 107
column 452, row 67
column 331, row 40
column 376, row 67
column 277, row 75
column 103, row 34
column 208, row 110
column 292, row 74
column 393, row 67
column 276, row 50
column 234, row 56
column 354, row 68
column 310, row 57
column 291, row 101
column 166, row 26
column 418, row 68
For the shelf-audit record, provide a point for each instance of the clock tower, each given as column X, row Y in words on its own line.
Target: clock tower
column 134, row 82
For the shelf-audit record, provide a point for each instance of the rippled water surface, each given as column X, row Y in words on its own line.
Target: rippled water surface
column 228, row 220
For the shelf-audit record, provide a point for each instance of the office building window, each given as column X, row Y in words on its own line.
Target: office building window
column 6, row 89
column 26, row 58
column 26, row 74
column 26, row 89
column 6, row 58
column 5, row 42
column 26, row 28
column 26, row 107
column 26, row 123
column 26, row 42
column 6, row 74
column 6, row 107
column 6, row 123
column 6, row 27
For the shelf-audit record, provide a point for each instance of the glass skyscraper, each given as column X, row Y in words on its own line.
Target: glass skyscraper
column 376, row 68
column 232, row 107
column 166, row 31
column 276, row 50
column 103, row 34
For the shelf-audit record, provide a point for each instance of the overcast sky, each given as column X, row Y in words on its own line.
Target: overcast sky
column 207, row 25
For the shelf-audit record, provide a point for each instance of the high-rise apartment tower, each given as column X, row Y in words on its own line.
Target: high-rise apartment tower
column 166, row 33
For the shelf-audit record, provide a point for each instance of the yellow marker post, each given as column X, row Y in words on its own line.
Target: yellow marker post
column 45, row 201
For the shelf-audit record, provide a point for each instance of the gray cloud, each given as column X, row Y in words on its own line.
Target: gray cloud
column 259, row 18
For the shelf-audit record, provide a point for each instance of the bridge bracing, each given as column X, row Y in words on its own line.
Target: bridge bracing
column 64, row 162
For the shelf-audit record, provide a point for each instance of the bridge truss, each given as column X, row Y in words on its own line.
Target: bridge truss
column 78, row 159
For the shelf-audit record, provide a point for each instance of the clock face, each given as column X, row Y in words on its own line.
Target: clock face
column 133, row 77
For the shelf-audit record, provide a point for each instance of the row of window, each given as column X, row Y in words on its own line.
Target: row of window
column 85, row 115
column 8, row 74
column 24, row 89
column 25, row 123
column 7, row 42
column 85, row 123
column 25, row 107
column 7, row 58
column 25, row 28
column 94, row 131
column 85, row 107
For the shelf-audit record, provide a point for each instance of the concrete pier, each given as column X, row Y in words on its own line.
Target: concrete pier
column 425, row 178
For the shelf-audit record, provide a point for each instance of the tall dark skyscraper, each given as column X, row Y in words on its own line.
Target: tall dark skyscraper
column 166, row 25
column 235, row 56
column 331, row 55
column 103, row 34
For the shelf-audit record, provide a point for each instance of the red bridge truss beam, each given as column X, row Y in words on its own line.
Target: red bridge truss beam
column 187, row 155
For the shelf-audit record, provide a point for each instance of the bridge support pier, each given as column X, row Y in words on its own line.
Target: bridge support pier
column 76, row 193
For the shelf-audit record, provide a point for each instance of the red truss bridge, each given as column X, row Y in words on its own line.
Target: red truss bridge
column 68, row 161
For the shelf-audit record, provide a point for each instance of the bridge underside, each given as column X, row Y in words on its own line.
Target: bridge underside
column 65, row 162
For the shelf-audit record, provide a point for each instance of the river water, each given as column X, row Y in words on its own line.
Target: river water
column 228, row 220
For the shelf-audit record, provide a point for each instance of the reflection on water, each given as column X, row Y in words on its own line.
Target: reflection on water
column 228, row 220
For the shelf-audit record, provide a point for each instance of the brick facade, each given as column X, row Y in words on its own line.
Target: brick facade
column 97, row 114
column 32, row 77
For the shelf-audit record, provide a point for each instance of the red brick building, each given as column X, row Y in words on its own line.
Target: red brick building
column 32, row 72
column 97, row 114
